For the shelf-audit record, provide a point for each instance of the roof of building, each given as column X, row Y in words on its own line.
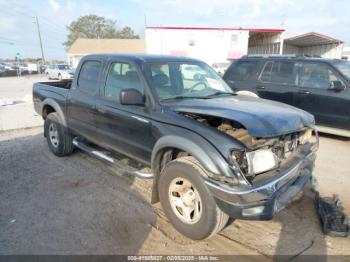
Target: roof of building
column 266, row 30
column 312, row 38
column 88, row 46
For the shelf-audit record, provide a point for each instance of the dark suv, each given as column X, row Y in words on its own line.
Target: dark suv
column 319, row 86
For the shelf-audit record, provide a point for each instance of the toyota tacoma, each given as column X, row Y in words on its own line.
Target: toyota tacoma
column 211, row 154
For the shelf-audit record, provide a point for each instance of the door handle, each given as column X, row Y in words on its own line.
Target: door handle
column 260, row 87
column 304, row 92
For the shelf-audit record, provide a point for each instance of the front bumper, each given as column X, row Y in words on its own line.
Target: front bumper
column 264, row 199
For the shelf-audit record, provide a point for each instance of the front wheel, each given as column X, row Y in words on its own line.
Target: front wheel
column 186, row 200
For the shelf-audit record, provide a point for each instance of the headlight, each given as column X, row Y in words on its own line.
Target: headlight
column 260, row 161
column 306, row 137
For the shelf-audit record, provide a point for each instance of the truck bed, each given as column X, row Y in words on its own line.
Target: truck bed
column 66, row 84
column 57, row 91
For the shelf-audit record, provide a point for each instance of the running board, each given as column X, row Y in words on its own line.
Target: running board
column 113, row 161
column 333, row 131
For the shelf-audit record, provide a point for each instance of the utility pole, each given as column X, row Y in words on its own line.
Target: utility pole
column 41, row 43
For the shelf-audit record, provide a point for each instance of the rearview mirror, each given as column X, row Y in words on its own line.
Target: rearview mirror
column 131, row 97
column 336, row 86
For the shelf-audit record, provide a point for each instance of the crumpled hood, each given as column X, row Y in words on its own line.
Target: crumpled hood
column 262, row 118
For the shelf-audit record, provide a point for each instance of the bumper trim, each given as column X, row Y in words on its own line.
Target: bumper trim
column 273, row 195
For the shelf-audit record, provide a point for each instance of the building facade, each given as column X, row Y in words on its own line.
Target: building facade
column 212, row 45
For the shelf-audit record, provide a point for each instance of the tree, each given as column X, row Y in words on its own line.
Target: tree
column 93, row 26
column 127, row 32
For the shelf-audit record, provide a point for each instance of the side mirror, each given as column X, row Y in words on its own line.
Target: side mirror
column 131, row 97
column 336, row 86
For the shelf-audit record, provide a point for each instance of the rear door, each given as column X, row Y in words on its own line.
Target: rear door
column 277, row 81
column 81, row 101
column 124, row 128
column 329, row 107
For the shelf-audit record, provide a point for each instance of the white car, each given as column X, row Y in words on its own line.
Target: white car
column 60, row 72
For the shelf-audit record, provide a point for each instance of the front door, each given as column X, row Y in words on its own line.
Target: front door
column 314, row 95
column 277, row 81
column 124, row 128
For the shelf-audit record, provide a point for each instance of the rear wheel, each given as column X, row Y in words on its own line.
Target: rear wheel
column 58, row 138
column 186, row 200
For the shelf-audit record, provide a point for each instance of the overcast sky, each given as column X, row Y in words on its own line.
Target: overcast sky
column 18, row 32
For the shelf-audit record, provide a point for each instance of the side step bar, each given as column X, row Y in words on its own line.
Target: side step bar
column 115, row 162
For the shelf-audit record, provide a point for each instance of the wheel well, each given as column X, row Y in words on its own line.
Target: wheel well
column 166, row 155
column 47, row 110
column 163, row 157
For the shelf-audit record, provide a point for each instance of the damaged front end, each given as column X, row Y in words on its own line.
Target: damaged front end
column 275, row 169
column 261, row 155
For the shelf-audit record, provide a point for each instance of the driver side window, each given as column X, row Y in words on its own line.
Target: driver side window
column 316, row 75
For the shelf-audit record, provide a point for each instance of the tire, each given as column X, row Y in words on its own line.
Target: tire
column 59, row 77
column 57, row 136
column 209, row 220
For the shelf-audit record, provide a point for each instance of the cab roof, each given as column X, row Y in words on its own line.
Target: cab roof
column 142, row 57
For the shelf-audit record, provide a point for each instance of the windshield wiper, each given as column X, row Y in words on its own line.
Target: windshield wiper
column 220, row 93
column 183, row 97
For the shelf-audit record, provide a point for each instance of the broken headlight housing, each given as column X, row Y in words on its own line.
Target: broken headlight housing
column 261, row 160
column 256, row 162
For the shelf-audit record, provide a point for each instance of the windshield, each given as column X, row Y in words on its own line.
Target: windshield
column 343, row 67
column 174, row 80
column 63, row 67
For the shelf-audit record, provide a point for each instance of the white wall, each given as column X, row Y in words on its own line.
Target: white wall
column 74, row 59
column 211, row 46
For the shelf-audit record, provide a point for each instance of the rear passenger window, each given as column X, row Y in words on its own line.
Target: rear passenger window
column 242, row 70
column 279, row 72
column 122, row 76
column 88, row 77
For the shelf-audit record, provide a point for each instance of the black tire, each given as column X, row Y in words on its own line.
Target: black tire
column 211, row 220
column 64, row 146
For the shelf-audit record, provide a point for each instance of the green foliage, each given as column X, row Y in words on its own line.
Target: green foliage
column 93, row 26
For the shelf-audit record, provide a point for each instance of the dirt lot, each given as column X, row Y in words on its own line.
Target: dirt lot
column 78, row 205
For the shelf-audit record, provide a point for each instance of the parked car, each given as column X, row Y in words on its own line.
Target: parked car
column 60, row 72
column 212, row 154
column 7, row 70
column 319, row 86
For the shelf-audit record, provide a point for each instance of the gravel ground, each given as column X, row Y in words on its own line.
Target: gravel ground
column 78, row 205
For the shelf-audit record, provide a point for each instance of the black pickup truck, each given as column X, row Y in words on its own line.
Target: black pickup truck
column 212, row 154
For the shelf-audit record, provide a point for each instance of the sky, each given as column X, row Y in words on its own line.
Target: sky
column 18, row 31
